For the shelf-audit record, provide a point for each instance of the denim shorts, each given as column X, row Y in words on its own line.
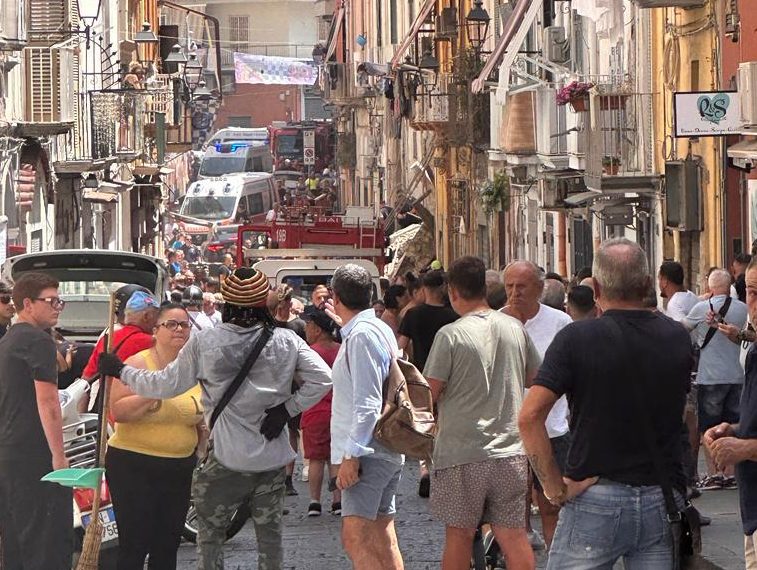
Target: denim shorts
column 373, row 495
column 611, row 521
column 718, row 403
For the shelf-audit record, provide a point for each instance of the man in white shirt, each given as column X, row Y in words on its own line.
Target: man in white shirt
column 524, row 283
column 670, row 281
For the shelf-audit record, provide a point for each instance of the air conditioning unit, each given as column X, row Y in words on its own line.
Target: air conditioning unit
column 446, row 24
column 670, row 3
column 556, row 47
column 683, row 195
column 747, row 85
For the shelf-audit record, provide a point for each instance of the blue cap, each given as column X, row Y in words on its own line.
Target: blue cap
column 139, row 301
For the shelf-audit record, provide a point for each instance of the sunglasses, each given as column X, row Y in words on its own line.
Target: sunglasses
column 172, row 325
column 6, row 299
column 55, row 302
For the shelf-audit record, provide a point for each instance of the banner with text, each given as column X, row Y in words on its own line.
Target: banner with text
column 269, row 70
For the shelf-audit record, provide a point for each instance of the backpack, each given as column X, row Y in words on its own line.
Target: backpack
column 407, row 424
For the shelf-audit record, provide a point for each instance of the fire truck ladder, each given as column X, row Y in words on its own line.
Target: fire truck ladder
column 367, row 230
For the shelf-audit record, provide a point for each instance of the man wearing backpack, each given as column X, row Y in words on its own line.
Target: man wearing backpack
column 368, row 472
column 478, row 368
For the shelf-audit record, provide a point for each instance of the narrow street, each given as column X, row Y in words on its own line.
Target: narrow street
column 312, row 543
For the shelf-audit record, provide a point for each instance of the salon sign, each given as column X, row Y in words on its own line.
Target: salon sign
column 707, row 113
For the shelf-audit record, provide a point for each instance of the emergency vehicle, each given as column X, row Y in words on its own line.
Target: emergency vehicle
column 235, row 157
column 226, row 200
column 287, row 145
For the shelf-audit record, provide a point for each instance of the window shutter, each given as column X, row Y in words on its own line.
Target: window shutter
column 239, row 33
column 46, row 17
column 42, row 92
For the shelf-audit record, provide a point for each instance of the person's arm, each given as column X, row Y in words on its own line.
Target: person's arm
column 438, row 365
column 695, row 317
column 48, row 406
column 402, row 341
column 125, row 405
column 730, row 450
column 174, row 379
column 531, row 423
column 315, row 380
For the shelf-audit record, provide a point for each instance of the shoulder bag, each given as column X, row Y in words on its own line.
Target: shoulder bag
column 684, row 523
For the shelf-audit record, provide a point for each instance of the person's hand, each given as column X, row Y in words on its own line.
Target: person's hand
column 328, row 307
column 576, row 488
column 730, row 331
column 348, row 474
column 60, row 462
column 727, row 451
column 714, row 433
column 109, row 365
column 274, row 421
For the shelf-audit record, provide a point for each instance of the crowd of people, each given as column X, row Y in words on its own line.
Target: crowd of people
column 585, row 398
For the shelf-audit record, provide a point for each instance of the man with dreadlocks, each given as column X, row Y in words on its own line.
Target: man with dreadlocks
column 250, row 445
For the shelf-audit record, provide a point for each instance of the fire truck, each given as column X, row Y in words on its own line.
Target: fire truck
column 303, row 246
column 288, row 145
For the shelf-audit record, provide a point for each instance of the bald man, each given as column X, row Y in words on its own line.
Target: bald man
column 524, row 283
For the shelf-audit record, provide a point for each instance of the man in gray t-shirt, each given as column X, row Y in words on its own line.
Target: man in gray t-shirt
column 720, row 375
column 478, row 368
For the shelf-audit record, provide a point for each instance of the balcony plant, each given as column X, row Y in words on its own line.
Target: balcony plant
column 495, row 194
column 576, row 93
column 611, row 165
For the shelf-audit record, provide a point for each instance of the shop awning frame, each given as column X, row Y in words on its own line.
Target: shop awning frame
column 414, row 29
column 509, row 42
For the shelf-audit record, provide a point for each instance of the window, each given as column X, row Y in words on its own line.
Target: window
column 379, row 29
column 256, row 204
column 242, row 122
column 239, row 33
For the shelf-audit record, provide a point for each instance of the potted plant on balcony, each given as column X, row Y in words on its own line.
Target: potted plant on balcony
column 577, row 94
column 495, row 194
column 610, row 165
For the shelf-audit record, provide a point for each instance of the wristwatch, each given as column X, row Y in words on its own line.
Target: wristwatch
column 558, row 499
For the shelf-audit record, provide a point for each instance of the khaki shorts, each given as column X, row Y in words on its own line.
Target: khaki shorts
column 492, row 491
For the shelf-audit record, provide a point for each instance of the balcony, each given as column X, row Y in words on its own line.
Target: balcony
column 118, row 118
column 435, row 110
column 619, row 143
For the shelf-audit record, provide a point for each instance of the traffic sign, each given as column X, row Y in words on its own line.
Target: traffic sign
column 308, row 145
column 309, row 156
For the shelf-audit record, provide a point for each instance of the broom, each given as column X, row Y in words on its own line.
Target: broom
column 90, row 550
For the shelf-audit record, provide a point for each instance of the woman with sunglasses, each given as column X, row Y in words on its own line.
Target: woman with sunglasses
column 151, row 454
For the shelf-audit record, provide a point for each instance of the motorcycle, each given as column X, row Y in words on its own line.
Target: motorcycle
column 238, row 520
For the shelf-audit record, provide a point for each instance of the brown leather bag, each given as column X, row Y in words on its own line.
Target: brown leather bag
column 407, row 424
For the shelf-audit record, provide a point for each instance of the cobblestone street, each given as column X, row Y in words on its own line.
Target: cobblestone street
column 313, row 543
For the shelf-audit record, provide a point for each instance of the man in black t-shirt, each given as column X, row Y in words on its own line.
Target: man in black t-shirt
column 417, row 331
column 617, row 380
column 36, row 532
column 736, row 444
column 421, row 323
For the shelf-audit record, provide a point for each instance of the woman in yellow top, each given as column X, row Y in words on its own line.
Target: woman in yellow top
column 151, row 455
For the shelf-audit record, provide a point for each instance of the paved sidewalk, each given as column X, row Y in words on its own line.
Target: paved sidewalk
column 314, row 544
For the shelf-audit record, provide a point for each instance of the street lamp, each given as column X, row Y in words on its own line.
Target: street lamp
column 89, row 11
column 477, row 25
column 176, row 56
column 192, row 71
column 428, row 63
column 202, row 93
column 145, row 35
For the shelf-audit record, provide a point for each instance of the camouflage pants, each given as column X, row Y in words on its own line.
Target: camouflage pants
column 217, row 492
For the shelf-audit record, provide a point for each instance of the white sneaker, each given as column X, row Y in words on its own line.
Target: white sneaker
column 305, row 471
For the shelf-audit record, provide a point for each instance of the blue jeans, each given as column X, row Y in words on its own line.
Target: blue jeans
column 610, row 521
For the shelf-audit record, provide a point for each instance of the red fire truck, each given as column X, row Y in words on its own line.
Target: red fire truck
column 310, row 233
column 288, row 145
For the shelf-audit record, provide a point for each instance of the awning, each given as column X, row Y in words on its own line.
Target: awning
column 100, row 197
column 582, row 198
column 745, row 149
column 414, row 29
column 510, row 41
column 373, row 69
column 336, row 27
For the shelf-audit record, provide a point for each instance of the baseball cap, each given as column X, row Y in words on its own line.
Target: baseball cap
column 140, row 301
column 319, row 317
